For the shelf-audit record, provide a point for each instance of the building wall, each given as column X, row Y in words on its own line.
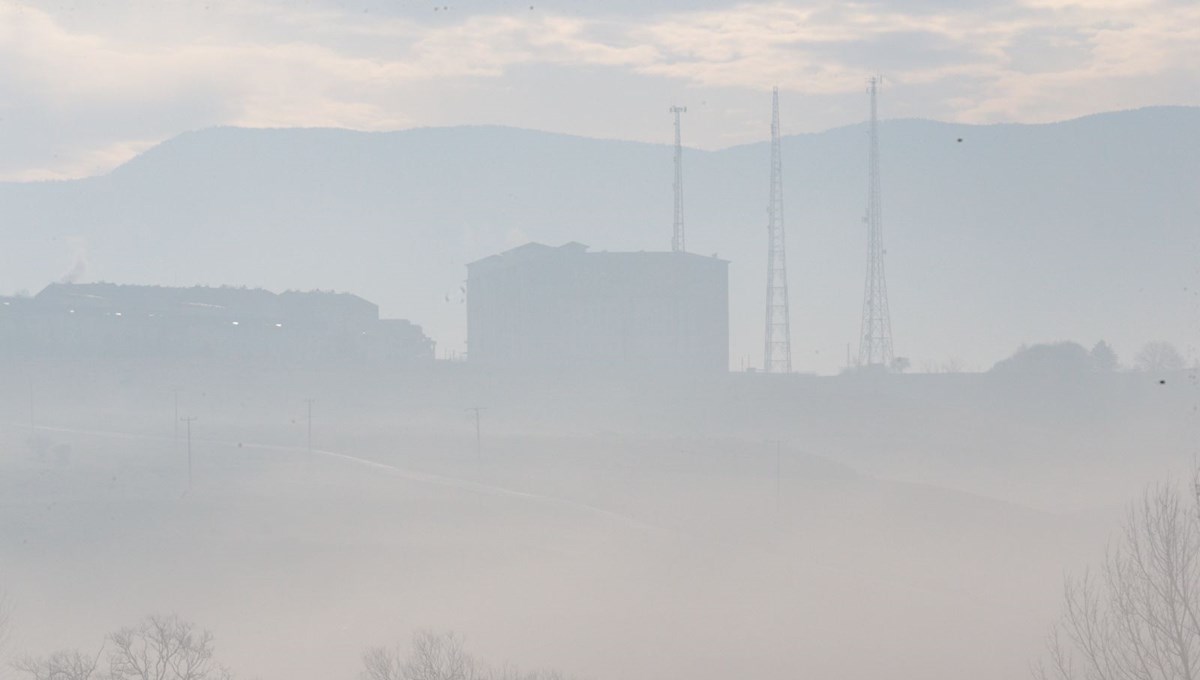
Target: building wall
column 558, row 307
column 106, row 321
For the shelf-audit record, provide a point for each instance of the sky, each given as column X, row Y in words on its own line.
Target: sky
column 86, row 85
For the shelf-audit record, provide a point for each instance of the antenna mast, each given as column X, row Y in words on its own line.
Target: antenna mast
column 875, row 348
column 677, row 242
column 778, row 350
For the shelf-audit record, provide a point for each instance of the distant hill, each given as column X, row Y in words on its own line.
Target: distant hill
column 1081, row 230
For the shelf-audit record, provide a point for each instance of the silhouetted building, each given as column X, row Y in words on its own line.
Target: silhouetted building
column 538, row 305
column 110, row 321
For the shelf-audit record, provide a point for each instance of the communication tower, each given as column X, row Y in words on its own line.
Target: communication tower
column 778, row 351
column 677, row 241
column 875, row 342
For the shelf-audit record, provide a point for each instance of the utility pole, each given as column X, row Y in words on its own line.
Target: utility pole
column 677, row 238
column 310, row 403
column 778, row 470
column 189, row 421
column 175, row 392
column 777, row 356
column 478, row 433
column 778, row 473
column 875, row 341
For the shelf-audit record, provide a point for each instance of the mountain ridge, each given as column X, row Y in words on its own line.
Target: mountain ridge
column 1163, row 108
column 1080, row 230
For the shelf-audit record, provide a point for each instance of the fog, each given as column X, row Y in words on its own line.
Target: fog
column 910, row 525
column 345, row 340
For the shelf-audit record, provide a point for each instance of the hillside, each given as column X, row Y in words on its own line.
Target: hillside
column 1082, row 229
column 622, row 543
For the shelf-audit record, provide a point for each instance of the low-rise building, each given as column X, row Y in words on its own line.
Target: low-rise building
column 559, row 307
column 104, row 320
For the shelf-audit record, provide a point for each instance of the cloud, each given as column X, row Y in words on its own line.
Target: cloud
column 85, row 81
column 85, row 162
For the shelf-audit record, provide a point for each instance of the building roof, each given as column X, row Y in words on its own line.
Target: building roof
column 535, row 251
column 224, row 300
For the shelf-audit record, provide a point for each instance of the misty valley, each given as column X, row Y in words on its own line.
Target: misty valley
column 601, row 526
column 696, row 340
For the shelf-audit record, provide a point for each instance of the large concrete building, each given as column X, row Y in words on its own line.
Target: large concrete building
column 109, row 321
column 565, row 307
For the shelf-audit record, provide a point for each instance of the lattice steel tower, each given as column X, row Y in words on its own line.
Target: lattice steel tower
column 875, row 343
column 777, row 356
column 677, row 242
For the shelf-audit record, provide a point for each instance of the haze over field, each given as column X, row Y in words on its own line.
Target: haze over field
column 391, row 340
column 614, row 528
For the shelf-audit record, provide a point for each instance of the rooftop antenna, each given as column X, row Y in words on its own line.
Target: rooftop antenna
column 778, row 346
column 677, row 241
column 875, row 345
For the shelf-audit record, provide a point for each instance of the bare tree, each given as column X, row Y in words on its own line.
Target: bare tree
column 439, row 657
column 61, row 665
column 163, row 648
column 435, row 656
column 1160, row 356
column 1139, row 617
column 381, row 663
column 5, row 619
column 513, row 673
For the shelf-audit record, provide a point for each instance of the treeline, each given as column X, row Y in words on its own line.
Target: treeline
column 1071, row 357
column 170, row 648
